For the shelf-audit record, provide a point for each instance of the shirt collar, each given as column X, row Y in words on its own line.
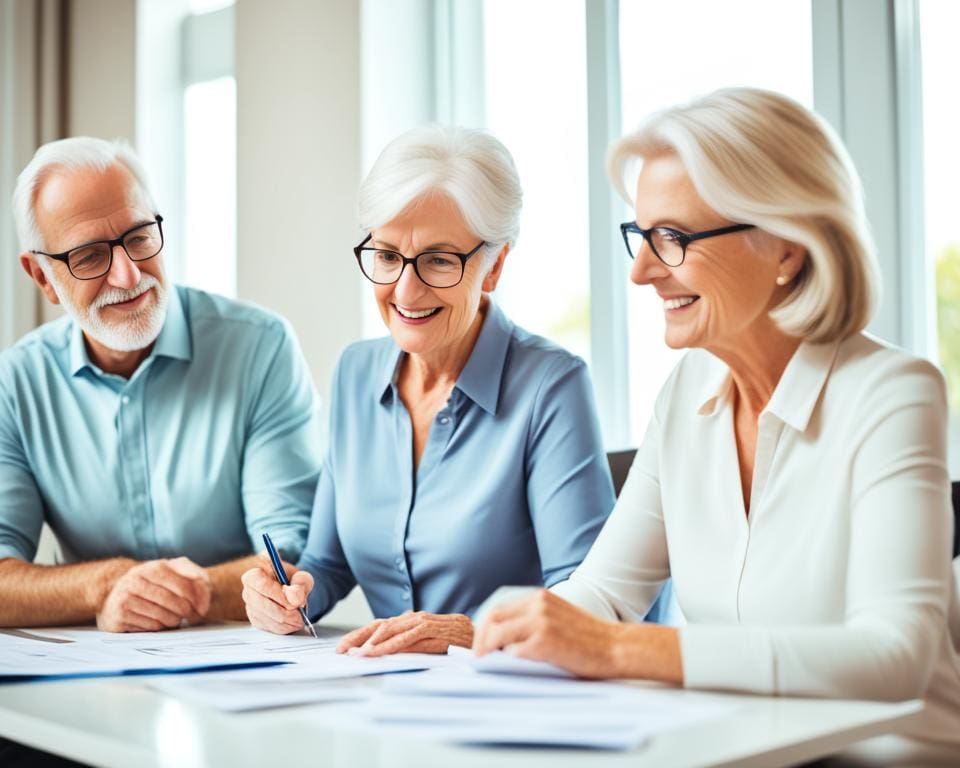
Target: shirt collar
column 797, row 392
column 174, row 339
column 799, row 388
column 79, row 359
column 480, row 378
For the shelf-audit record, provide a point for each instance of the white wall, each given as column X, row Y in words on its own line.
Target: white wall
column 298, row 143
column 102, row 69
column 299, row 150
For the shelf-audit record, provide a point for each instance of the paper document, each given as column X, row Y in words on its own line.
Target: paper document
column 247, row 690
column 30, row 655
column 321, row 677
column 466, row 682
column 27, row 655
column 466, row 706
column 504, row 663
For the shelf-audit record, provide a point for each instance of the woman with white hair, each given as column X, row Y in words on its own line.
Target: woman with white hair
column 464, row 453
column 792, row 480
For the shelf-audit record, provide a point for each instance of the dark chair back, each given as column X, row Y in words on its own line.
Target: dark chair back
column 956, row 519
column 620, row 463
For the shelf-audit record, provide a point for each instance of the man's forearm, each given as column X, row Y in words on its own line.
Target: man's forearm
column 54, row 595
column 227, row 602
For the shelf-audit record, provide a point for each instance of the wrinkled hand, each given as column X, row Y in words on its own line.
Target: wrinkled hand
column 157, row 594
column 272, row 606
column 409, row 632
column 544, row 627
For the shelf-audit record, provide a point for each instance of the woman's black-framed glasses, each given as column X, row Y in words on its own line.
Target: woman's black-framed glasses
column 669, row 245
column 93, row 260
column 438, row 269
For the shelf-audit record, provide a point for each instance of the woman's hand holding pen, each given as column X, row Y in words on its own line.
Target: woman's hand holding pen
column 270, row 605
column 410, row 632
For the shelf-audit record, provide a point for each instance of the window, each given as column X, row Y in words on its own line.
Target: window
column 939, row 22
column 210, row 211
column 186, row 134
column 209, row 148
column 767, row 45
column 536, row 103
column 557, row 82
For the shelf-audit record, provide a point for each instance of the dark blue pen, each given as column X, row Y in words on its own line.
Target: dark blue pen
column 282, row 578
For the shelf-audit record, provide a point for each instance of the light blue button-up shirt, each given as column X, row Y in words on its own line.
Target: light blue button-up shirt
column 512, row 487
column 211, row 442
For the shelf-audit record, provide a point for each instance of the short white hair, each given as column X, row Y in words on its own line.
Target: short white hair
column 758, row 157
column 72, row 154
column 472, row 168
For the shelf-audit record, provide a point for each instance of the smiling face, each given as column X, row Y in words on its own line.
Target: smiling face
column 433, row 321
column 725, row 287
column 124, row 310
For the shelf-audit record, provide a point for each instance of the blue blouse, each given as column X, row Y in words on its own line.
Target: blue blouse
column 513, row 484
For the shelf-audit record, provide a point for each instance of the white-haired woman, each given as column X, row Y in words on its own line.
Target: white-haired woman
column 792, row 480
column 464, row 453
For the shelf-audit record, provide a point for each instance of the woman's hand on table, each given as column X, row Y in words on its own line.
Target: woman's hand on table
column 545, row 627
column 410, row 632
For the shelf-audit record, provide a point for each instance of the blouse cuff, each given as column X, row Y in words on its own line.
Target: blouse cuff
column 732, row 658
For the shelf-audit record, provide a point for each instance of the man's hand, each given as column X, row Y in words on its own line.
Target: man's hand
column 157, row 594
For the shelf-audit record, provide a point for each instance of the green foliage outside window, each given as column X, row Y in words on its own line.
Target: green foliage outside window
column 948, row 319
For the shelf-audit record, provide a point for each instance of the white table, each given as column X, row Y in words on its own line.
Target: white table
column 120, row 722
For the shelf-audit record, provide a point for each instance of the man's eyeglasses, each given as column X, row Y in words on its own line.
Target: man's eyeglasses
column 669, row 245
column 438, row 269
column 93, row 260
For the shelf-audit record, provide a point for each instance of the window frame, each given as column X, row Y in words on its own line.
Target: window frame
column 175, row 49
column 866, row 84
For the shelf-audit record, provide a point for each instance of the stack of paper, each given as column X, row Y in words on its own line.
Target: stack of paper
column 316, row 677
column 463, row 705
column 51, row 654
column 41, row 655
column 494, row 699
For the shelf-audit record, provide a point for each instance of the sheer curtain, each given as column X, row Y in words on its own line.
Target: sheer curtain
column 32, row 111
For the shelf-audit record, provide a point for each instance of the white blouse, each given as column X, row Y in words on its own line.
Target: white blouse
column 839, row 581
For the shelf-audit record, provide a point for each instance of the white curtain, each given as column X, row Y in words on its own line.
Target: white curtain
column 32, row 112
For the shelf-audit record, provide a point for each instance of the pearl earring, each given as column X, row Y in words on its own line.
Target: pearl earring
column 782, row 280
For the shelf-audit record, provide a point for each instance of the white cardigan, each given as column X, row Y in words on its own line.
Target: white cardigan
column 839, row 582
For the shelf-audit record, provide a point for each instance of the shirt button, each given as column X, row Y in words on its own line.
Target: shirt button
column 444, row 419
column 125, row 399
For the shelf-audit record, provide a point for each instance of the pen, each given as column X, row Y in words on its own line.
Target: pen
column 282, row 578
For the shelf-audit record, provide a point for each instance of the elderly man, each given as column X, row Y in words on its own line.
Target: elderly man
column 158, row 430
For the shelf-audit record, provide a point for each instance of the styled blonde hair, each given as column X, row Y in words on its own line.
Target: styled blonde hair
column 760, row 158
column 472, row 168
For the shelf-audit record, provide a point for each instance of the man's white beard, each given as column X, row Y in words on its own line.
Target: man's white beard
column 141, row 328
